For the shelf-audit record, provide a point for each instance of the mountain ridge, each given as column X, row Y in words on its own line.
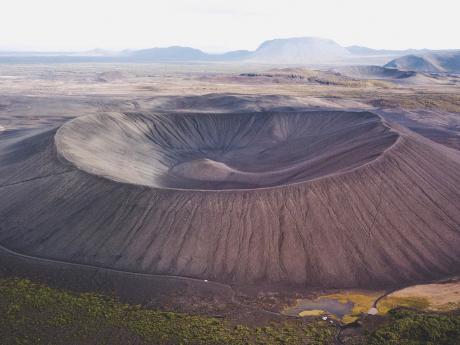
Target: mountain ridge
column 293, row 50
column 432, row 62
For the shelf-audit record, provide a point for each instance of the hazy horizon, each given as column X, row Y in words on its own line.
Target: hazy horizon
column 218, row 26
column 204, row 50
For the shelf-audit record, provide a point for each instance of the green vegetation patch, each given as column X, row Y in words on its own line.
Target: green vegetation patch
column 409, row 327
column 32, row 313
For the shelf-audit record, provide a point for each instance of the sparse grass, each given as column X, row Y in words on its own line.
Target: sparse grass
column 315, row 77
column 315, row 312
column 348, row 82
column 446, row 307
column 391, row 302
column 434, row 297
column 420, row 100
column 32, row 313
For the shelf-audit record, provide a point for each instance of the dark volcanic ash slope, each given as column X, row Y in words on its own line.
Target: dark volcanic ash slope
column 330, row 199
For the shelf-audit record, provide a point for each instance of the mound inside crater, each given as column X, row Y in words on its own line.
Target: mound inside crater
column 222, row 151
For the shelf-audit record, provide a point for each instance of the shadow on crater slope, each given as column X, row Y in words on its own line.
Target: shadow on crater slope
column 325, row 199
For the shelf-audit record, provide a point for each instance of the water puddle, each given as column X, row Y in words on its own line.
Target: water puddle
column 319, row 306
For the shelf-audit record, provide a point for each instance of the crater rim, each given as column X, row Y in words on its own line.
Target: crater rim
column 60, row 139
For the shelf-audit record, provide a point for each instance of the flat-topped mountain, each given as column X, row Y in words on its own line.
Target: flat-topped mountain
column 300, row 50
column 170, row 53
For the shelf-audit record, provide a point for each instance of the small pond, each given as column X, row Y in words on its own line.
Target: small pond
column 329, row 305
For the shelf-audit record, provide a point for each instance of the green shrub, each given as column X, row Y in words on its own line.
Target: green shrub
column 32, row 313
column 408, row 327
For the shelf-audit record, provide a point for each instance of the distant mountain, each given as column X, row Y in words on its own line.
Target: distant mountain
column 90, row 53
column 301, row 50
column 365, row 51
column 170, row 53
column 32, row 53
column 95, row 52
column 233, row 55
column 184, row 54
column 432, row 62
column 296, row 51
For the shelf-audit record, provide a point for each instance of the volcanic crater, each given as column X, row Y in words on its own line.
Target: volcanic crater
column 224, row 151
column 328, row 199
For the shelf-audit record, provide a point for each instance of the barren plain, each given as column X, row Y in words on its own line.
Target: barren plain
column 246, row 187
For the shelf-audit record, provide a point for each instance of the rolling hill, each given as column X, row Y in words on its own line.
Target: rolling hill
column 433, row 62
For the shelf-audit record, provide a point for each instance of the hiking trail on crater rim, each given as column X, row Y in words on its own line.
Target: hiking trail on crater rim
column 331, row 199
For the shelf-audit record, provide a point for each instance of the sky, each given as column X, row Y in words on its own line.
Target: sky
column 223, row 25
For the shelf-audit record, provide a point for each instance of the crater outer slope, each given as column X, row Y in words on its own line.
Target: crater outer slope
column 388, row 215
